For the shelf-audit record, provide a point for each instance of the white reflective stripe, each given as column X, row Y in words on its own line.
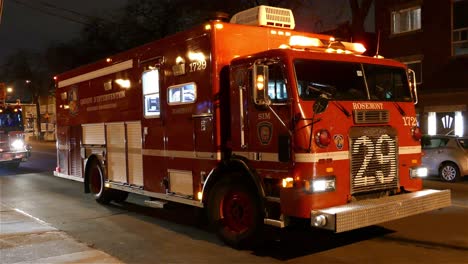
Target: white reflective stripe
column 263, row 156
column 97, row 73
column 315, row 157
column 182, row 154
column 409, row 150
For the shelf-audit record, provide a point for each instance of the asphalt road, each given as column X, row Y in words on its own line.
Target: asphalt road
column 137, row 234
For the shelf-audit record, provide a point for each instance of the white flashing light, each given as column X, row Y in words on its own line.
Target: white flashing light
column 207, row 27
column 196, row 56
column 179, row 60
column 219, row 26
column 123, row 83
column 305, row 41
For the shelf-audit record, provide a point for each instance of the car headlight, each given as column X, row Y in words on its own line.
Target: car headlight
column 326, row 184
column 17, row 144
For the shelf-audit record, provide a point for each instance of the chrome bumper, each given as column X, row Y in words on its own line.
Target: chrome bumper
column 375, row 211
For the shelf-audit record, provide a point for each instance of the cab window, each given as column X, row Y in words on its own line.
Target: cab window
column 276, row 84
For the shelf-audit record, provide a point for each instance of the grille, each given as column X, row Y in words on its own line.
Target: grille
column 371, row 116
column 374, row 159
column 279, row 15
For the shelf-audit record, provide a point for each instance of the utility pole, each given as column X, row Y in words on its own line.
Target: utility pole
column 1, row 10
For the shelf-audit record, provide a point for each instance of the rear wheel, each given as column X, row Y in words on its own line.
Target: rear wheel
column 234, row 210
column 96, row 182
column 449, row 172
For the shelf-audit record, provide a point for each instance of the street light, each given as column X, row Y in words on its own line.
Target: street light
column 9, row 90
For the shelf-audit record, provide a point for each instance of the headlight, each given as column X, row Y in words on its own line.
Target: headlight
column 420, row 172
column 18, row 144
column 326, row 184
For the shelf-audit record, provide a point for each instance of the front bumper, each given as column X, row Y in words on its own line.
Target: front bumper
column 15, row 156
column 375, row 211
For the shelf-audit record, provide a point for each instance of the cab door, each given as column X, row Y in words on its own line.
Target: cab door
column 269, row 117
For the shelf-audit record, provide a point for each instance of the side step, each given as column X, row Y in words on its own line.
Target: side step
column 155, row 203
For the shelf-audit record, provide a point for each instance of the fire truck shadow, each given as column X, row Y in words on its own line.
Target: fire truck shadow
column 294, row 242
column 281, row 244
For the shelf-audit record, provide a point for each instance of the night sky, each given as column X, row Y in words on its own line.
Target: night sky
column 23, row 26
column 26, row 27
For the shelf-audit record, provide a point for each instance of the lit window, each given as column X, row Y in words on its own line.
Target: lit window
column 406, row 20
column 182, row 94
column 150, row 82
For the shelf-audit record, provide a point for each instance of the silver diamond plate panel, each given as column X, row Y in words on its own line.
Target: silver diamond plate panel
column 375, row 211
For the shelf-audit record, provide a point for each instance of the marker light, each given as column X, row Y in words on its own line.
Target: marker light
column 417, row 133
column 305, row 41
column 199, row 196
column 288, row 182
column 260, row 82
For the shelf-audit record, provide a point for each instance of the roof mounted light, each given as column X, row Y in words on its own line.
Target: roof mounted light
column 304, row 41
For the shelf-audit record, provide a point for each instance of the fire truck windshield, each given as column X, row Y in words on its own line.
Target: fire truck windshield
column 10, row 120
column 351, row 81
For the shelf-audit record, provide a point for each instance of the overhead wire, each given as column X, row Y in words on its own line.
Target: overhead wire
column 45, row 7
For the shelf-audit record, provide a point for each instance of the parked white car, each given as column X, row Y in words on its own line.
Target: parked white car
column 446, row 156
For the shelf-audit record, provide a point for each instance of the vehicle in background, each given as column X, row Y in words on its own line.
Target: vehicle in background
column 13, row 149
column 446, row 156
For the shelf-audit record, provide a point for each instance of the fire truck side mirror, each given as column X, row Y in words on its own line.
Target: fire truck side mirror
column 320, row 105
column 260, row 85
column 412, row 85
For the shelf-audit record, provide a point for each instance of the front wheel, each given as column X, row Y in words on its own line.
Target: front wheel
column 234, row 209
column 449, row 172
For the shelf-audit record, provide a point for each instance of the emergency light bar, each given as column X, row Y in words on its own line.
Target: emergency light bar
column 265, row 16
column 330, row 46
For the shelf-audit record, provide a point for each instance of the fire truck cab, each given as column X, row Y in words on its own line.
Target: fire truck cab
column 252, row 121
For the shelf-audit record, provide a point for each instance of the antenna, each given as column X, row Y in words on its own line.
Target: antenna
column 378, row 45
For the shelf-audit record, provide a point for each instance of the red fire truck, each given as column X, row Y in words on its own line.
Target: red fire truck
column 251, row 120
column 13, row 149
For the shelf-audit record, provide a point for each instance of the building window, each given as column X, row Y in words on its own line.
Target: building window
column 460, row 28
column 406, row 20
column 151, row 101
column 416, row 66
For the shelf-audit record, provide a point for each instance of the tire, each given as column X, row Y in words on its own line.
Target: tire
column 13, row 165
column 101, row 194
column 234, row 210
column 449, row 172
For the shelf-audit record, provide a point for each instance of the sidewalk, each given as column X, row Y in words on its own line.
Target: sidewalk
column 25, row 239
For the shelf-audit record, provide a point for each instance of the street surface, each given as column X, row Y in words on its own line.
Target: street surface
column 133, row 233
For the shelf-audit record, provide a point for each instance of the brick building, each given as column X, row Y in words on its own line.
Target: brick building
column 431, row 37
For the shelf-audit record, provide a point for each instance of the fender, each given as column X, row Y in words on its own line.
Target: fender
column 235, row 163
